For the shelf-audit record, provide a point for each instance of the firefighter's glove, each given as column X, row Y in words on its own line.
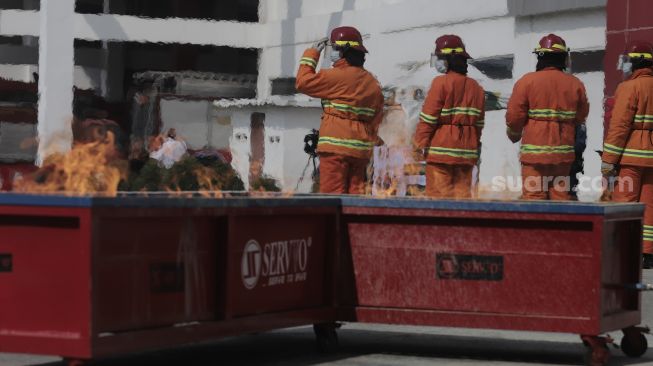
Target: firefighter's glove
column 419, row 154
column 321, row 44
column 513, row 136
column 608, row 170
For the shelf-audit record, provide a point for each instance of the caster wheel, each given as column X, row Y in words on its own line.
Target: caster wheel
column 326, row 337
column 596, row 356
column 634, row 344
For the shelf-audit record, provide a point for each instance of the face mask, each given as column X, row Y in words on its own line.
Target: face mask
column 335, row 56
column 625, row 66
column 442, row 66
column 439, row 64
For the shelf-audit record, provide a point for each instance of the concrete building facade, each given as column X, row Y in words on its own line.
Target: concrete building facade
column 113, row 40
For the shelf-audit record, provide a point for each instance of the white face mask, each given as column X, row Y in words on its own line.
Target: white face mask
column 627, row 68
column 625, row 65
column 335, row 56
column 442, row 66
column 439, row 64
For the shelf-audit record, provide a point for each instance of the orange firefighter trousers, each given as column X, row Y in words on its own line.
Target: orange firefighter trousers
column 449, row 180
column 341, row 174
column 546, row 182
column 635, row 184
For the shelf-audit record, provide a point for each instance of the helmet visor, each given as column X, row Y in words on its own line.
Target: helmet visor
column 569, row 64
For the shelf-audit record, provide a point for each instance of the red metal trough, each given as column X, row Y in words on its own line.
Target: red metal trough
column 92, row 277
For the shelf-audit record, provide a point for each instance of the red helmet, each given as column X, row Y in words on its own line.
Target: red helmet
column 639, row 49
column 450, row 44
column 552, row 44
column 343, row 37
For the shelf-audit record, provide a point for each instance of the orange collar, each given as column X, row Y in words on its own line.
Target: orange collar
column 641, row 72
column 341, row 63
column 451, row 72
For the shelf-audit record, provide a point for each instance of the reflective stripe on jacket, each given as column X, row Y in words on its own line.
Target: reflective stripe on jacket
column 352, row 102
column 452, row 120
column 544, row 109
column 629, row 139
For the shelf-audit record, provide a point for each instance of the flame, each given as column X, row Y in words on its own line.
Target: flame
column 392, row 168
column 90, row 168
column 207, row 180
column 606, row 196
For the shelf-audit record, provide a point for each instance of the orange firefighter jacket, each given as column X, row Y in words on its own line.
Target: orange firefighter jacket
column 629, row 140
column 544, row 109
column 451, row 121
column 352, row 102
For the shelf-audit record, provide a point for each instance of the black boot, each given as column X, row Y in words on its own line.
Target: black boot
column 648, row 261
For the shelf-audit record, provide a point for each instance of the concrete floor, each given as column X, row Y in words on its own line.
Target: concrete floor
column 362, row 345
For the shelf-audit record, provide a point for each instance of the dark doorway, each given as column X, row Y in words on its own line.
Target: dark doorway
column 257, row 143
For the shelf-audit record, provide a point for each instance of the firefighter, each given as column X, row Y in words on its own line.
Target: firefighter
column 544, row 111
column 449, row 131
column 628, row 147
column 353, row 110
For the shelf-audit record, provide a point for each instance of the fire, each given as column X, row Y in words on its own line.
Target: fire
column 395, row 173
column 89, row 168
column 207, row 180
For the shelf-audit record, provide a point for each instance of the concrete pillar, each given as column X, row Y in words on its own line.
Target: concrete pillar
column 106, row 6
column 56, row 66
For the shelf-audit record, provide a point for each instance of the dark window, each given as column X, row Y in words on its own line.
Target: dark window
column 587, row 61
column 494, row 101
column 200, row 70
column 89, row 6
column 238, row 10
column 13, row 40
column 186, row 57
column 284, row 86
column 257, row 146
column 20, row 4
column 80, row 43
column 499, row 67
column 20, row 50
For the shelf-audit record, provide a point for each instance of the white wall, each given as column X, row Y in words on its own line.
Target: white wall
column 130, row 28
column 18, row 72
column 197, row 123
column 285, row 159
column 189, row 118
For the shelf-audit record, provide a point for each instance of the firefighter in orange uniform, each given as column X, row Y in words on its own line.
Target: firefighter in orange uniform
column 628, row 147
column 449, row 131
column 544, row 110
column 353, row 110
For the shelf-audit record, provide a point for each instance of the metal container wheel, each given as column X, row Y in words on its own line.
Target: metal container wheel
column 597, row 352
column 596, row 357
column 634, row 343
column 326, row 337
